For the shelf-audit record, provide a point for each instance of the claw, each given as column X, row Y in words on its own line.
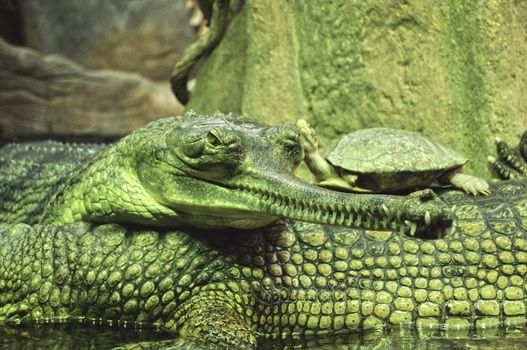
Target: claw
column 375, row 223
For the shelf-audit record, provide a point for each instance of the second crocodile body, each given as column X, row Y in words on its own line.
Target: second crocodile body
column 230, row 289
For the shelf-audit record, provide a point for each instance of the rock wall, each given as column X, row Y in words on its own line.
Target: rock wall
column 450, row 70
column 141, row 36
column 50, row 96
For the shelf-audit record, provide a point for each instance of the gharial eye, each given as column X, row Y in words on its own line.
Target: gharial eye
column 213, row 139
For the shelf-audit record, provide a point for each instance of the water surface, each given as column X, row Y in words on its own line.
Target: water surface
column 84, row 337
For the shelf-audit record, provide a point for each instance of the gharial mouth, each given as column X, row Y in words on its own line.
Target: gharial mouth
column 341, row 209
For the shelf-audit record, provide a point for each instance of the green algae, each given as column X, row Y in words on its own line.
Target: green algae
column 451, row 71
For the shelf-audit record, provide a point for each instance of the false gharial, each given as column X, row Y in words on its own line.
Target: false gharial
column 210, row 172
column 230, row 288
column 385, row 160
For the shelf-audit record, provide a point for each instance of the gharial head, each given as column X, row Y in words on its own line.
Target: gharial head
column 225, row 171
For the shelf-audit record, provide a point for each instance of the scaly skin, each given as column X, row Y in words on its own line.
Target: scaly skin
column 204, row 171
column 230, row 289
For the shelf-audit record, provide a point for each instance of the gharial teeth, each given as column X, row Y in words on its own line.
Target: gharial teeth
column 359, row 220
column 349, row 220
column 322, row 216
column 428, row 219
column 333, row 216
column 342, row 216
column 368, row 221
column 413, row 227
column 386, row 211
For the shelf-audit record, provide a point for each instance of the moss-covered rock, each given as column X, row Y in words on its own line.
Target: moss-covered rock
column 450, row 70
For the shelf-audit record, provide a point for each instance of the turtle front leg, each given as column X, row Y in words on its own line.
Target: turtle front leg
column 321, row 169
column 325, row 174
column 510, row 164
column 468, row 183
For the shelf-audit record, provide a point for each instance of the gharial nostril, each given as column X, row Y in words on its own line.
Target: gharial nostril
column 427, row 195
column 289, row 133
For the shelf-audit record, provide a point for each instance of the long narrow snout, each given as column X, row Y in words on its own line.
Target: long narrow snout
column 289, row 197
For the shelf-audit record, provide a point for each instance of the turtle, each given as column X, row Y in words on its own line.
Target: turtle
column 380, row 160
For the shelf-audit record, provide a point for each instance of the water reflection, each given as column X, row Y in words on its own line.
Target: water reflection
column 78, row 337
column 82, row 337
column 410, row 339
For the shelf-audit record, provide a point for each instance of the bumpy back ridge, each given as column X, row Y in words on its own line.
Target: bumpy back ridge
column 32, row 172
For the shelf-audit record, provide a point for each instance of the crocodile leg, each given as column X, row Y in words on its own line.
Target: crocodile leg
column 216, row 324
column 177, row 344
column 205, row 322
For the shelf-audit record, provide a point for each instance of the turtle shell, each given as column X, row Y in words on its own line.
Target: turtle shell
column 391, row 151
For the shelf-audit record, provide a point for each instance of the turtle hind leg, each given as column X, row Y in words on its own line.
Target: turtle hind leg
column 511, row 164
column 470, row 184
column 502, row 170
column 511, row 158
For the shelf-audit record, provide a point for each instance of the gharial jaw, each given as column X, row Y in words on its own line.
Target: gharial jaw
column 217, row 172
column 257, row 199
